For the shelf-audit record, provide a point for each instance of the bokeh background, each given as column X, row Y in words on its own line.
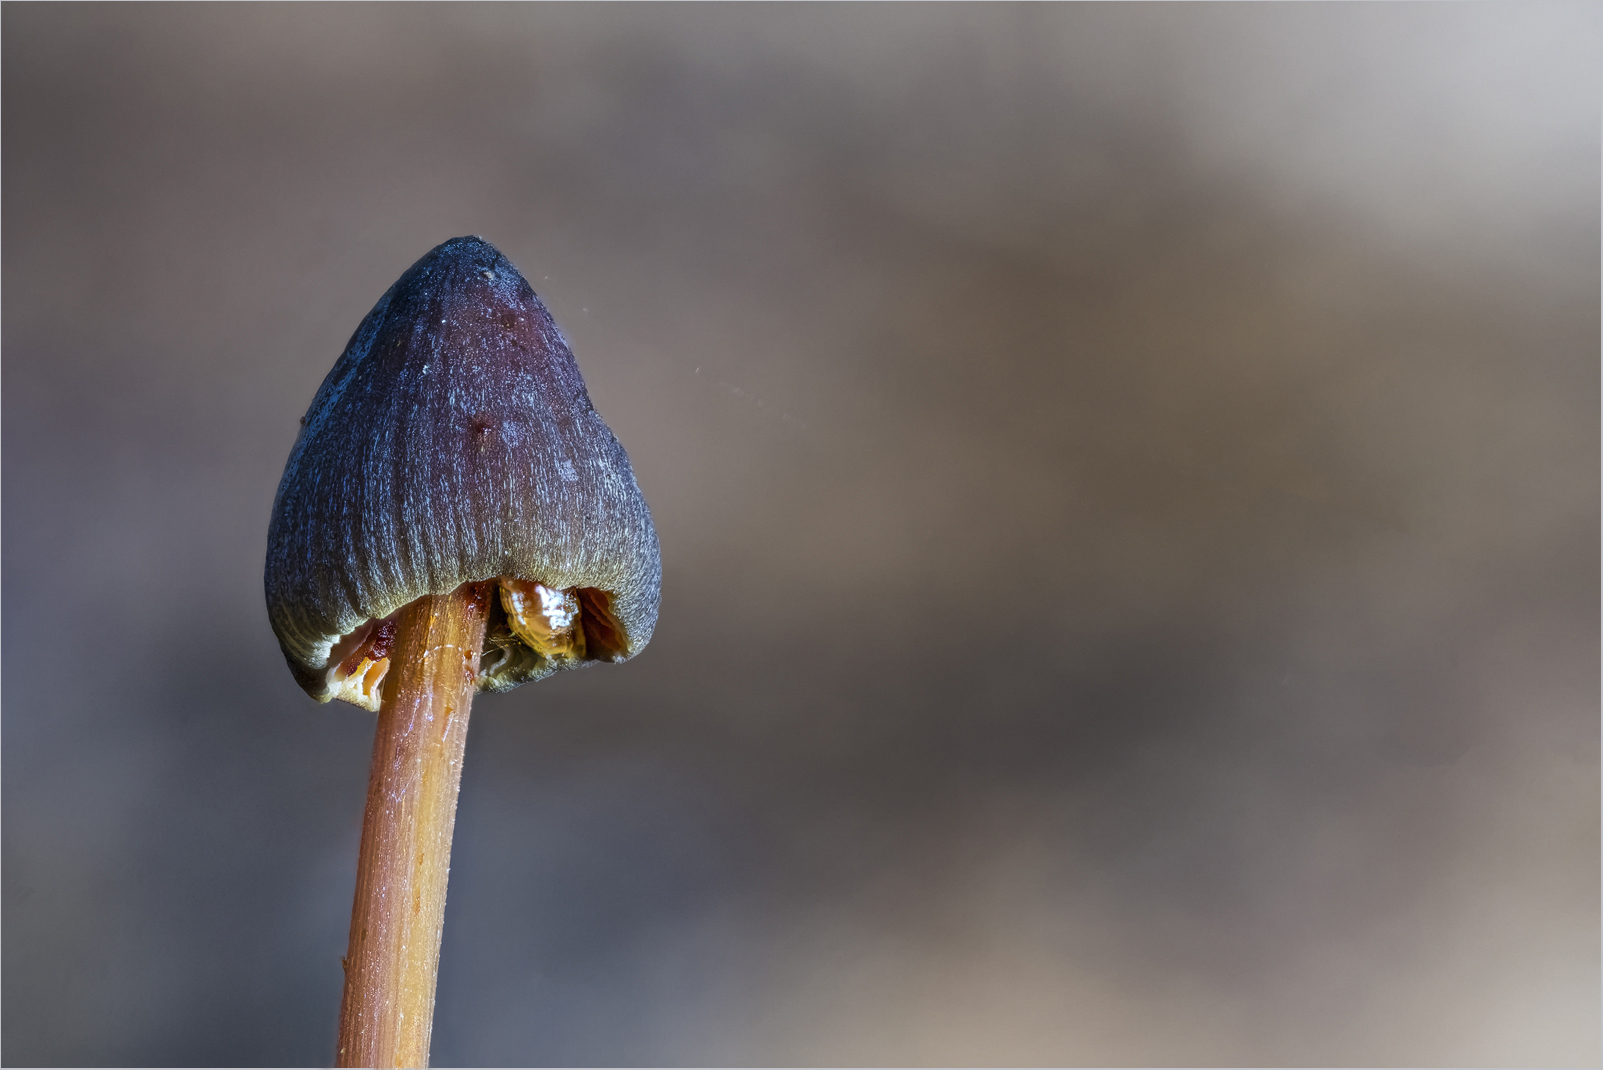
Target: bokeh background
column 1128, row 488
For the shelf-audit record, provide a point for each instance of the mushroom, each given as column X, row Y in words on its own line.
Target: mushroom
column 454, row 516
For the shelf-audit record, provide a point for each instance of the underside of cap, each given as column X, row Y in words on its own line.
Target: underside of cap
column 454, row 442
column 531, row 632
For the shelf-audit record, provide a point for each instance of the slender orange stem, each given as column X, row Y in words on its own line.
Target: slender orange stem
column 387, row 1012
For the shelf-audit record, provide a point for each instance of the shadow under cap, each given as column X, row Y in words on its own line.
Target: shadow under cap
column 454, row 442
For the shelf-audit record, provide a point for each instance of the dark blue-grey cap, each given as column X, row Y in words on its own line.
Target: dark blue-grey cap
column 454, row 442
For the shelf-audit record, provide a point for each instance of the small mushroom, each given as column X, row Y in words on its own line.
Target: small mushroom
column 454, row 516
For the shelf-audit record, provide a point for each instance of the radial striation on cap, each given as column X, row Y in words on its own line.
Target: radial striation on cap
column 454, row 442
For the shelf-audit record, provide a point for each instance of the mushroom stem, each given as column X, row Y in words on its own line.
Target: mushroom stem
column 387, row 1012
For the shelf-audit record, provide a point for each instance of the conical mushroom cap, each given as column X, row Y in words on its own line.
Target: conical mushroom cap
column 454, row 442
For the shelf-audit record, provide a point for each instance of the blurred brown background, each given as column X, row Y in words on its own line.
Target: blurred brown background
column 1128, row 487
